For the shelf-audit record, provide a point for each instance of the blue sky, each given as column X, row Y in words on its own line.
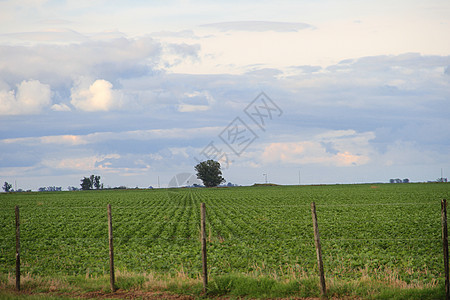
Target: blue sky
column 355, row 91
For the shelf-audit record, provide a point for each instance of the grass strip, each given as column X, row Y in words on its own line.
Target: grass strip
column 158, row 286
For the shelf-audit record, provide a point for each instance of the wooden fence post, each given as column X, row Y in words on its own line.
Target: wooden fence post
column 17, row 248
column 445, row 246
column 203, row 237
column 111, row 251
column 323, row 289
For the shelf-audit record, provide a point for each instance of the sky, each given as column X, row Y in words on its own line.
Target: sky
column 309, row 92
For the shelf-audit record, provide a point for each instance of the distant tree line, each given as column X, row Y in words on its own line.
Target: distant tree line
column 87, row 183
column 406, row 180
column 398, row 180
column 50, row 189
column 7, row 187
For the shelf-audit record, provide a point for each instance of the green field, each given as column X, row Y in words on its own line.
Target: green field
column 389, row 232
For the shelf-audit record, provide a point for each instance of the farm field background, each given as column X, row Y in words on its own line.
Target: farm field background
column 385, row 231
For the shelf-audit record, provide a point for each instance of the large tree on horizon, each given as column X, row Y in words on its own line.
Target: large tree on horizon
column 209, row 173
column 87, row 183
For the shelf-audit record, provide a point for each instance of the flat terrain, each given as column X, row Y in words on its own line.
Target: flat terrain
column 391, row 232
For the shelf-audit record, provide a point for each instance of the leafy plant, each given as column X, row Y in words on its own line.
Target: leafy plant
column 390, row 233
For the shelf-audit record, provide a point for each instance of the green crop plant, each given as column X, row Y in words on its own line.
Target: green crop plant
column 390, row 233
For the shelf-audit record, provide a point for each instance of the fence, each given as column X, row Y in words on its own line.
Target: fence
column 217, row 216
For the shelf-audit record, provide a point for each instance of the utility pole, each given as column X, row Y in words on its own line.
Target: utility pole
column 299, row 177
column 265, row 174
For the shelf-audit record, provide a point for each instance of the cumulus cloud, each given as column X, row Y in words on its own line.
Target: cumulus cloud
column 29, row 97
column 337, row 148
column 99, row 96
column 59, row 64
column 114, row 61
column 320, row 104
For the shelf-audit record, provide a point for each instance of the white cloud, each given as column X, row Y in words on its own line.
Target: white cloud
column 30, row 97
column 99, row 96
column 57, row 36
column 196, row 101
column 259, row 26
column 59, row 64
column 68, row 139
column 60, row 107
column 192, row 108
column 337, row 148
column 400, row 97
column 85, row 163
column 64, row 140
column 135, row 135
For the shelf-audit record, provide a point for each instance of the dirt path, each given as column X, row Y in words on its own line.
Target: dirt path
column 135, row 295
column 123, row 294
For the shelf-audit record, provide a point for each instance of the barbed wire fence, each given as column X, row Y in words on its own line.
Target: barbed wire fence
column 219, row 229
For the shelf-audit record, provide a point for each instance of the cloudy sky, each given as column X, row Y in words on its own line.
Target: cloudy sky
column 310, row 91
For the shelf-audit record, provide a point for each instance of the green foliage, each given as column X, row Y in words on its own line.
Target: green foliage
column 388, row 233
column 7, row 187
column 87, row 183
column 412, row 294
column 262, row 287
column 96, row 182
column 130, row 282
column 209, row 172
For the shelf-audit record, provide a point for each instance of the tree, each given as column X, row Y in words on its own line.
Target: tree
column 97, row 182
column 7, row 187
column 86, row 183
column 209, row 172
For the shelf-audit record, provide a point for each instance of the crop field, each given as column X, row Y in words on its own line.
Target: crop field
column 385, row 231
